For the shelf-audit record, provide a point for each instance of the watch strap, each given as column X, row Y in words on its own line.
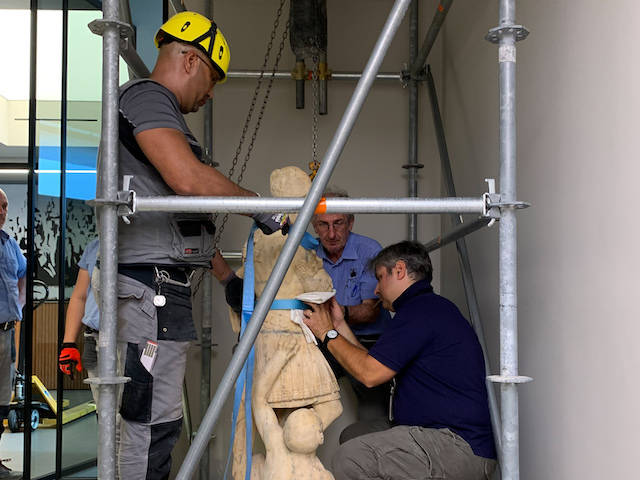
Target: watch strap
column 327, row 338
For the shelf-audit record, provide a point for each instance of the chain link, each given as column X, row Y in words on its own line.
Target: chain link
column 314, row 165
column 245, row 128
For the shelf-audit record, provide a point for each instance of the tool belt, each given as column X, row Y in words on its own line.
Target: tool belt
column 7, row 325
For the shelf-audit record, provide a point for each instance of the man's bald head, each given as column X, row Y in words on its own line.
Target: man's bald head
column 4, row 206
column 187, row 72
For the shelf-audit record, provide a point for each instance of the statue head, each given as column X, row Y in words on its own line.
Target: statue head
column 303, row 431
column 289, row 182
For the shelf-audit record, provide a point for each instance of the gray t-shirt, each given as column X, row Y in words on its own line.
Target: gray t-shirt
column 153, row 237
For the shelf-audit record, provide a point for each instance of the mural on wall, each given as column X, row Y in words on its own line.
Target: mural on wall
column 81, row 229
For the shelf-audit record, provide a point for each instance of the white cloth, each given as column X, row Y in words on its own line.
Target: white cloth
column 297, row 316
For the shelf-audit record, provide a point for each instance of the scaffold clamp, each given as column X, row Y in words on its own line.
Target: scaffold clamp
column 125, row 201
column 496, row 34
column 125, row 30
column 107, row 380
column 490, row 201
column 509, row 379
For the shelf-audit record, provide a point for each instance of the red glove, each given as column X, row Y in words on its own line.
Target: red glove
column 69, row 358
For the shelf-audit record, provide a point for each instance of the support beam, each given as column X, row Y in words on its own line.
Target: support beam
column 108, row 223
column 292, row 205
column 412, row 165
column 352, row 76
column 506, row 35
column 295, row 236
column 430, row 37
column 457, row 233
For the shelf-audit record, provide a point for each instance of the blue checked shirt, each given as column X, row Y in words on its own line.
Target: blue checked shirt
column 87, row 262
column 13, row 266
column 353, row 280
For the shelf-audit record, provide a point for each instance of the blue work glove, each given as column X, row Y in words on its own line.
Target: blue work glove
column 272, row 222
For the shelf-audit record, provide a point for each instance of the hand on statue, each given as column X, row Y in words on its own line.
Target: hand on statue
column 319, row 319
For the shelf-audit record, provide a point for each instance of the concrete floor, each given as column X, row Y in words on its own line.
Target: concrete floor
column 79, row 443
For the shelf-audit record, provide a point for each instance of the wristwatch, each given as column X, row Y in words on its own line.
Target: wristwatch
column 330, row 335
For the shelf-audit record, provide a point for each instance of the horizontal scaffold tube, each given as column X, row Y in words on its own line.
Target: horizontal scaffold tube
column 291, row 205
column 287, row 75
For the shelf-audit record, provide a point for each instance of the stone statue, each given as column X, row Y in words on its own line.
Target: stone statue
column 291, row 448
column 304, row 379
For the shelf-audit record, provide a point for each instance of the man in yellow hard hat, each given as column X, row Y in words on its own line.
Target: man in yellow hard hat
column 158, row 251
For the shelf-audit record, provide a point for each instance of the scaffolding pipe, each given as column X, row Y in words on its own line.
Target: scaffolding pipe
column 294, row 238
column 430, row 38
column 251, row 74
column 108, row 243
column 177, row 6
column 508, row 379
column 412, row 164
column 205, row 362
column 132, row 59
column 207, row 295
column 456, row 234
column 292, row 205
column 463, row 256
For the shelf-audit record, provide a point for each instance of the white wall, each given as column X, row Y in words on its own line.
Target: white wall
column 577, row 100
column 370, row 165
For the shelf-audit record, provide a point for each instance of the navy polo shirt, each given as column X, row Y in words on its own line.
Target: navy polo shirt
column 439, row 368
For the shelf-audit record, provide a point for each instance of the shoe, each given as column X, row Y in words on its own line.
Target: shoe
column 7, row 473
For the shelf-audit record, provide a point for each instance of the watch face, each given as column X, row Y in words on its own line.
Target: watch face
column 332, row 334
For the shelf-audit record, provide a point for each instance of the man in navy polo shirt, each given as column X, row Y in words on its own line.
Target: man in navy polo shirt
column 441, row 426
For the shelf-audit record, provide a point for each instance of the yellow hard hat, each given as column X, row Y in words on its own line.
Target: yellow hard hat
column 199, row 31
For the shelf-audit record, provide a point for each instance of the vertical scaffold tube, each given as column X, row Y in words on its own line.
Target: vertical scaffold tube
column 507, row 245
column 295, row 235
column 108, row 243
column 412, row 165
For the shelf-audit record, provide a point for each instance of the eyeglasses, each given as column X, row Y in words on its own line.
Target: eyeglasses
column 215, row 77
column 337, row 225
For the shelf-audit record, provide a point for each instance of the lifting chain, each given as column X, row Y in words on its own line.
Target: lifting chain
column 247, row 121
column 314, row 165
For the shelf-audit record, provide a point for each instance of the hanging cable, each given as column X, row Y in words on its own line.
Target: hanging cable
column 252, row 106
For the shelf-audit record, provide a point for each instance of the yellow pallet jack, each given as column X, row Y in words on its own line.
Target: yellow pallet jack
column 44, row 407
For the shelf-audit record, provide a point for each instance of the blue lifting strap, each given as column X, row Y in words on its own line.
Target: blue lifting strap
column 245, row 379
column 308, row 242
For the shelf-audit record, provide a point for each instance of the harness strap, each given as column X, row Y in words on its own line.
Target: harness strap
column 245, row 379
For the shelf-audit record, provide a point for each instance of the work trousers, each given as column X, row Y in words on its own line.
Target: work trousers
column 7, row 374
column 410, row 453
column 151, row 407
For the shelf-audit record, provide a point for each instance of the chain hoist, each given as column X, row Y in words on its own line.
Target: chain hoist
column 314, row 165
column 247, row 121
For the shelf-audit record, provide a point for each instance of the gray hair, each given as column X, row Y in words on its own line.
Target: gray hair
column 333, row 191
column 413, row 254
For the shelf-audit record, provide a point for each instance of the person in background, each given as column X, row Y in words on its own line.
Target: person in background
column 82, row 310
column 13, row 276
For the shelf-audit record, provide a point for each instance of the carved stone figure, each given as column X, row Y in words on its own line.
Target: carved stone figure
column 305, row 378
column 291, row 448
